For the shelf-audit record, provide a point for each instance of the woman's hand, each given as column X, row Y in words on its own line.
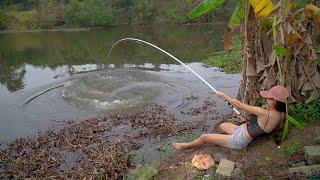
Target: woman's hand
column 221, row 94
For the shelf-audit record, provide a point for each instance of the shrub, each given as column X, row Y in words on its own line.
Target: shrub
column 174, row 16
column 306, row 113
column 88, row 13
column 22, row 20
column 3, row 20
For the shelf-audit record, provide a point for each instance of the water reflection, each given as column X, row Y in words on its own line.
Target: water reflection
column 71, row 49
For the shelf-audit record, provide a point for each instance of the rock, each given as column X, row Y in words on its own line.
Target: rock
column 310, row 171
column 312, row 154
column 225, row 168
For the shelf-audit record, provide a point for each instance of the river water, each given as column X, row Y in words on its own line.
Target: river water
column 87, row 84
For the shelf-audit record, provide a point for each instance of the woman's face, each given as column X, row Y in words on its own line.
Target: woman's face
column 270, row 102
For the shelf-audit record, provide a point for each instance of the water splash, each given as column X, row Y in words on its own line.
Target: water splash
column 176, row 59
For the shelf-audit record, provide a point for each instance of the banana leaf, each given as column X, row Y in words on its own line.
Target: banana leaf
column 295, row 122
column 204, row 7
column 237, row 15
column 285, row 131
column 289, row 120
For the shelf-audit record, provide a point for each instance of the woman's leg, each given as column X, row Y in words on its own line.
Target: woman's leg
column 218, row 139
column 227, row 127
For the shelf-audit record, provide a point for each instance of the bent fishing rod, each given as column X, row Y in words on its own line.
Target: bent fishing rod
column 176, row 59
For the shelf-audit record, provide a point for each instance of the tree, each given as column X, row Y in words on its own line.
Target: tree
column 277, row 48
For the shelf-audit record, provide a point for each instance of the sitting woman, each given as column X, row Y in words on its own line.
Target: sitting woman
column 261, row 122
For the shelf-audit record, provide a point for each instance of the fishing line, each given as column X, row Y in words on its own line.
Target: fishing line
column 176, row 59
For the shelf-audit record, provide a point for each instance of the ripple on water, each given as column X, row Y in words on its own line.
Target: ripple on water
column 113, row 90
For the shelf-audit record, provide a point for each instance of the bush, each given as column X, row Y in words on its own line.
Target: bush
column 22, row 20
column 306, row 113
column 174, row 16
column 146, row 10
column 3, row 20
column 88, row 13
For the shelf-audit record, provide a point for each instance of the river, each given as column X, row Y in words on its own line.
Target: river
column 89, row 84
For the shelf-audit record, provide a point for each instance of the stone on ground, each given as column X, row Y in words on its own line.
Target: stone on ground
column 312, row 154
column 310, row 171
column 225, row 168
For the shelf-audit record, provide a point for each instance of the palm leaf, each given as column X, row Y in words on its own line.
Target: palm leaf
column 204, row 7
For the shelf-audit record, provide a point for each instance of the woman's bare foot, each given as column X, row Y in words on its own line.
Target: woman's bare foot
column 179, row 146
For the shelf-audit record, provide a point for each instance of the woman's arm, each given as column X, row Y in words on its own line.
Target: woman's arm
column 235, row 102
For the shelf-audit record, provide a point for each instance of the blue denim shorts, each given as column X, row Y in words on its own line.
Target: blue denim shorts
column 238, row 140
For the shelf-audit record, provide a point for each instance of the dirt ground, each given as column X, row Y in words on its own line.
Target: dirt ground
column 108, row 148
column 262, row 159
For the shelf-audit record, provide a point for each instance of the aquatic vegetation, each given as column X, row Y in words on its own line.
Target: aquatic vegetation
column 227, row 61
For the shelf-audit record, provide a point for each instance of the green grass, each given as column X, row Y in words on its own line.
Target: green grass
column 309, row 113
column 192, row 136
column 229, row 62
column 291, row 148
column 145, row 172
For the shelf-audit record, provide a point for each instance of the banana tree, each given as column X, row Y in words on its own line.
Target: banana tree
column 277, row 48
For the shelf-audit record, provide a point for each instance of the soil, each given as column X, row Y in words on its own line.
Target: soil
column 262, row 159
column 110, row 147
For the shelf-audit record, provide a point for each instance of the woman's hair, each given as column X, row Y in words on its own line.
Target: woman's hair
column 280, row 106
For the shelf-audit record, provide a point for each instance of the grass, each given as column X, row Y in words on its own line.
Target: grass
column 291, row 148
column 229, row 62
column 309, row 113
column 192, row 136
column 145, row 172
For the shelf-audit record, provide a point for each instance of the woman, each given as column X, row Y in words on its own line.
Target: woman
column 261, row 122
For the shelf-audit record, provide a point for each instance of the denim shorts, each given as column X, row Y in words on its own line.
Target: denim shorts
column 238, row 140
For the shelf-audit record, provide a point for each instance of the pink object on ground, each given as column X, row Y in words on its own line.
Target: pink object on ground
column 202, row 161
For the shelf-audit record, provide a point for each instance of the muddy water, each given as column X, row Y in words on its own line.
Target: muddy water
column 134, row 76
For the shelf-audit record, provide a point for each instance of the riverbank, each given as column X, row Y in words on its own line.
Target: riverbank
column 138, row 145
column 109, row 27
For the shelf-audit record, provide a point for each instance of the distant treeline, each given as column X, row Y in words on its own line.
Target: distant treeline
column 49, row 14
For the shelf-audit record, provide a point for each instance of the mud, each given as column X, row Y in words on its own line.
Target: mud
column 95, row 148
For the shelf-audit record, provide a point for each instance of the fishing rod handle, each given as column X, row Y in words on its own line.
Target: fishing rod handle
column 233, row 108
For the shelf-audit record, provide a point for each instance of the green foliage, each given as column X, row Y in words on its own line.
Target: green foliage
column 229, row 62
column 291, row 148
column 265, row 24
column 88, row 13
column 3, row 20
column 280, row 51
column 21, row 20
column 237, row 15
column 146, row 10
column 192, row 136
column 306, row 113
column 143, row 173
column 204, row 7
column 174, row 15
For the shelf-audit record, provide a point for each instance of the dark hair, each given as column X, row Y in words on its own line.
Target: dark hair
column 280, row 106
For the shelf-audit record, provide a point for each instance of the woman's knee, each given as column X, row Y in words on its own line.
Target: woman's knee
column 204, row 137
column 224, row 125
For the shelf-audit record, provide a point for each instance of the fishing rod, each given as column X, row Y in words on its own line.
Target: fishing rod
column 156, row 47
